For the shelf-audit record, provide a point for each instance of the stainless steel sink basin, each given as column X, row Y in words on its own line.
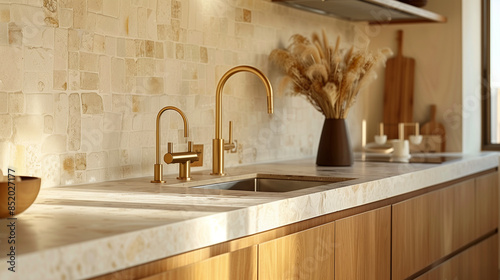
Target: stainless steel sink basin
column 274, row 183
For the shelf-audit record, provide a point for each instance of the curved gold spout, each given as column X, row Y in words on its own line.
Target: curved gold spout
column 218, row 142
column 158, row 167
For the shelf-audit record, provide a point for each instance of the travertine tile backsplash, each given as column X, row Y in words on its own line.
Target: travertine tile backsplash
column 83, row 80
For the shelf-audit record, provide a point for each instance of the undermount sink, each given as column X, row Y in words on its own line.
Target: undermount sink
column 273, row 183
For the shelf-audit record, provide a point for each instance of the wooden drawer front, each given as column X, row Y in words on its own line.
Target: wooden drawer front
column 239, row 265
column 477, row 262
column 363, row 246
column 430, row 226
column 486, row 203
column 307, row 254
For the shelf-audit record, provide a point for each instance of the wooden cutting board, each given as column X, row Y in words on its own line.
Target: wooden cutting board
column 434, row 128
column 398, row 93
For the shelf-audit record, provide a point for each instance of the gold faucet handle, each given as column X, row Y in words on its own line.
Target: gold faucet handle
column 230, row 146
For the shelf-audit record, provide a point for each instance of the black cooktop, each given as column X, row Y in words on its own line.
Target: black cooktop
column 413, row 159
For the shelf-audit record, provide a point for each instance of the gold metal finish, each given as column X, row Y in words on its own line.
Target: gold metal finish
column 184, row 160
column 198, row 149
column 158, row 167
column 218, row 142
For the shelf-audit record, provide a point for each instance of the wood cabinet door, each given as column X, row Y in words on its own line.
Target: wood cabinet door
column 363, row 246
column 239, row 265
column 431, row 226
column 308, row 254
column 477, row 262
column 486, row 203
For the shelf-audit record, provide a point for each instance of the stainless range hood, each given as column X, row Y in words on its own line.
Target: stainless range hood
column 373, row 11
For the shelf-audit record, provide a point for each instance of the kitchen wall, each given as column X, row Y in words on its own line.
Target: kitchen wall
column 82, row 82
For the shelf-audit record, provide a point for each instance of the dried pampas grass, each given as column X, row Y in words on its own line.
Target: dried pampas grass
column 328, row 76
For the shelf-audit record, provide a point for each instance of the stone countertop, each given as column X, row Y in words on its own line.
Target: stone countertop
column 82, row 231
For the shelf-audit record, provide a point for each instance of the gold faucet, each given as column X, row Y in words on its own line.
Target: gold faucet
column 218, row 143
column 158, row 167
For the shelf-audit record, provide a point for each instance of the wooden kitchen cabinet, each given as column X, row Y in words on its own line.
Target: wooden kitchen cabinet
column 486, row 203
column 238, row 265
column 363, row 246
column 431, row 226
column 307, row 254
column 477, row 262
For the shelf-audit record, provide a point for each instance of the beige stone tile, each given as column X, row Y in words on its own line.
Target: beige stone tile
column 60, row 80
column 4, row 13
column 99, row 44
column 149, row 47
column 74, row 122
column 5, row 126
column 104, row 74
column 80, row 161
column 140, row 48
column 122, row 104
column 162, row 32
column 61, row 48
column 159, row 52
column 145, row 67
column 4, row 102
column 130, row 21
column 51, row 170
column 28, row 129
column 108, row 26
column 65, row 18
column 110, row 46
column 111, row 8
column 48, row 125
column 79, row 14
column 112, row 122
column 163, row 11
column 110, row 139
column 142, row 18
column 54, row 144
column 243, row 15
column 73, row 40
column 91, row 103
column 117, row 75
column 130, row 68
column 97, row 160
column 39, row 104
column 176, row 9
column 67, row 169
column 16, row 103
column 89, row 81
column 92, row 134
column 121, row 47
column 140, row 104
column 4, row 33
column 73, row 60
column 95, row 5
column 87, row 42
column 130, row 48
column 174, row 30
column 16, row 35
column 89, row 62
column 74, row 79
column 61, row 113
column 179, row 51
column 12, row 76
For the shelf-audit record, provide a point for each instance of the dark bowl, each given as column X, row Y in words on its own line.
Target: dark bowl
column 416, row 3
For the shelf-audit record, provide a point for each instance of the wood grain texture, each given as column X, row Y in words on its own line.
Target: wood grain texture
column 398, row 92
column 363, row 246
column 307, row 254
column 434, row 128
column 429, row 227
column 486, row 204
column 477, row 262
column 237, row 265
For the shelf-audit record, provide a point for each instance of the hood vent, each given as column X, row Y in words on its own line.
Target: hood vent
column 373, row 11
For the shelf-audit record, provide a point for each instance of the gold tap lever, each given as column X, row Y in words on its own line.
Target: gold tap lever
column 158, row 167
column 231, row 145
column 184, row 159
column 218, row 142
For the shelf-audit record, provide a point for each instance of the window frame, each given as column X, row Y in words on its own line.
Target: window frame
column 486, row 143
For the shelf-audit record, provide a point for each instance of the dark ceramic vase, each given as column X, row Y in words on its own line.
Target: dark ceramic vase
column 334, row 145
